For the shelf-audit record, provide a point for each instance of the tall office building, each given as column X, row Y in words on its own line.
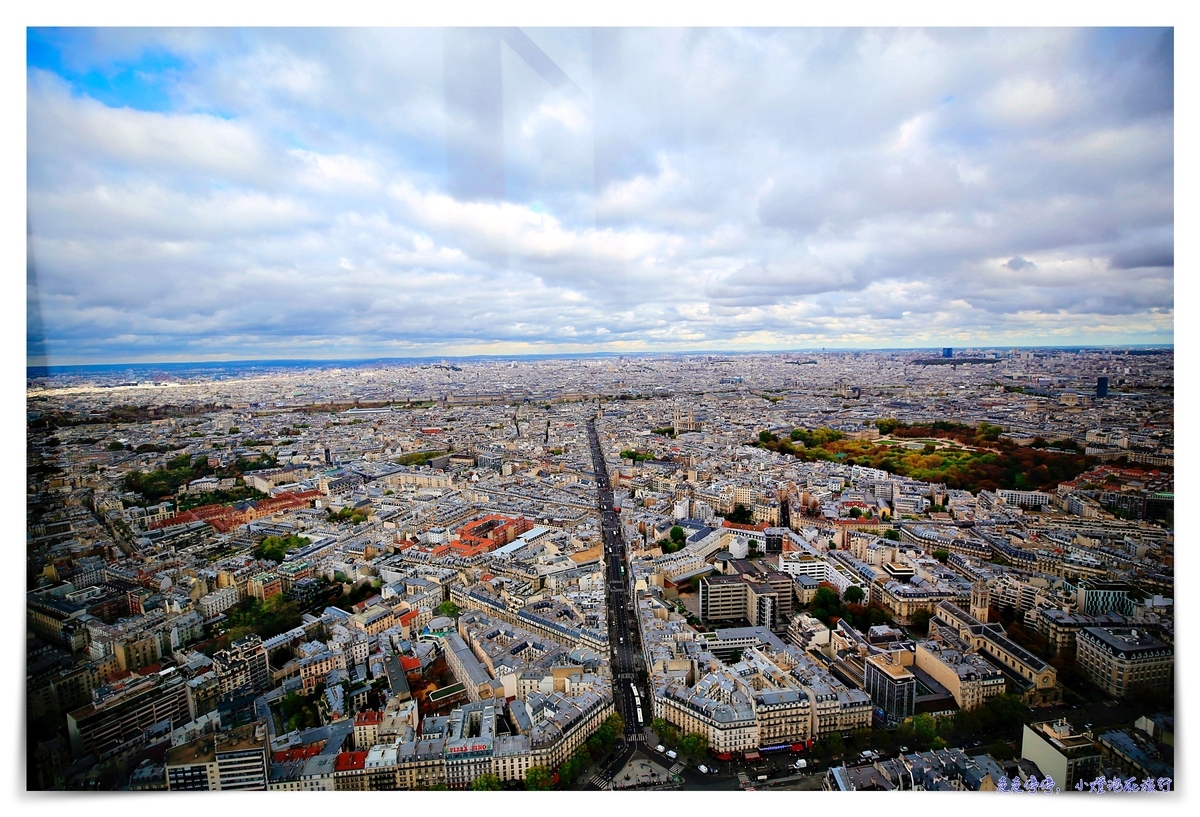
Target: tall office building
column 947, row 351
column 1060, row 753
column 891, row 685
column 1102, row 387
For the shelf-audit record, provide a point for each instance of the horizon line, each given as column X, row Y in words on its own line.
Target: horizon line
column 601, row 353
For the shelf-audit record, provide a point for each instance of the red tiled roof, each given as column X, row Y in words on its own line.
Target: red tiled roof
column 347, row 761
column 761, row 526
column 303, row 753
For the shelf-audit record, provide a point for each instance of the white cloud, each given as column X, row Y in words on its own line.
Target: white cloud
column 326, row 171
column 708, row 188
column 65, row 128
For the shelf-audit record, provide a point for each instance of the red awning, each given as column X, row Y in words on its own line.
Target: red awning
column 752, row 756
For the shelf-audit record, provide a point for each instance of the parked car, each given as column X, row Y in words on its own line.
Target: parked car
column 702, row 769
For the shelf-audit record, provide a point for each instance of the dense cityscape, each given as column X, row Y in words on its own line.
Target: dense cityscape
column 938, row 569
column 592, row 408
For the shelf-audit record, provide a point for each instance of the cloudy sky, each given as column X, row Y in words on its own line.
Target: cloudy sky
column 257, row 193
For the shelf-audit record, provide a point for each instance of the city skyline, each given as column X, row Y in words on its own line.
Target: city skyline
column 41, row 370
column 425, row 193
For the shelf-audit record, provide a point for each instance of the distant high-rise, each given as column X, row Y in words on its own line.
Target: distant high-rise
column 1102, row 386
column 947, row 351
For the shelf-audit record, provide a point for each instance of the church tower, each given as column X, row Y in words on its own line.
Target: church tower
column 981, row 598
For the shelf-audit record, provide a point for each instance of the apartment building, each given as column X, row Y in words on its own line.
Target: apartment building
column 233, row 760
column 366, row 728
column 1120, row 658
column 904, row 600
column 217, row 601
column 119, row 714
column 729, row 726
column 763, row 599
column 784, row 716
column 467, row 669
column 314, row 668
column 837, row 709
column 243, row 668
column 1060, row 753
column 1061, row 628
column 264, row 585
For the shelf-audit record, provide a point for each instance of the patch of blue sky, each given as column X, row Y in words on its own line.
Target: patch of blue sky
column 1105, row 43
column 1112, row 45
column 40, row 52
column 143, row 83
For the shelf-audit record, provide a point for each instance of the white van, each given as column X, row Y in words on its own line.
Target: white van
column 702, row 769
column 660, row 748
column 672, row 754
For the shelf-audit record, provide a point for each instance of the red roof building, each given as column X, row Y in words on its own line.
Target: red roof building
column 760, row 527
column 303, row 753
column 349, row 761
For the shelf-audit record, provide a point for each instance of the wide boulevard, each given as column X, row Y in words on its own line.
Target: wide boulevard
column 629, row 677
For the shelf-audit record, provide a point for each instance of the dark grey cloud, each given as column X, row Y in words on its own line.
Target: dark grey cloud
column 1144, row 257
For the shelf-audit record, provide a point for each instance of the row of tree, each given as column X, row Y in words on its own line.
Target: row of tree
column 998, row 721
column 691, row 744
